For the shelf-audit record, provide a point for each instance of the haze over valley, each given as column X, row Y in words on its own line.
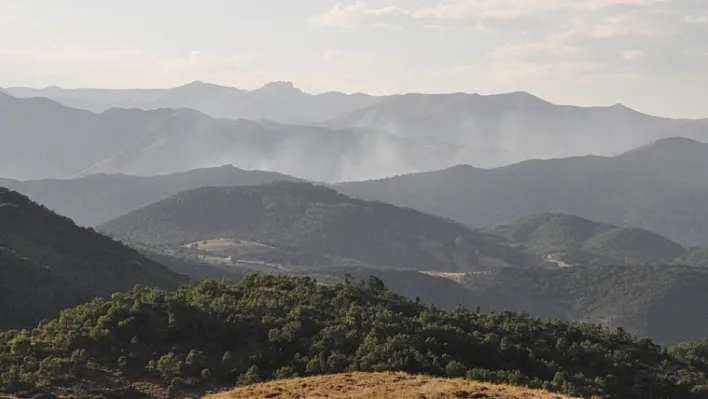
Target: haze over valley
column 393, row 135
column 354, row 199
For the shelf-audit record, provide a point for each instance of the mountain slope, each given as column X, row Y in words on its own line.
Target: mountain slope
column 184, row 340
column 574, row 240
column 50, row 264
column 30, row 292
column 394, row 135
column 319, row 220
column 277, row 101
column 43, row 139
column 657, row 301
column 505, row 128
column 95, row 199
column 381, row 385
column 188, row 140
column 660, row 188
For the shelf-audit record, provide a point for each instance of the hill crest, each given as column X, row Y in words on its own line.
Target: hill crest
column 574, row 240
column 317, row 219
column 388, row 385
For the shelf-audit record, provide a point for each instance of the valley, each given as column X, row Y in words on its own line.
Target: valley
column 270, row 242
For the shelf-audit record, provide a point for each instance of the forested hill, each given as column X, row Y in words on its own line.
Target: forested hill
column 319, row 220
column 576, row 241
column 94, row 199
column 661, row 187
column 211, row 335
column 49, row 264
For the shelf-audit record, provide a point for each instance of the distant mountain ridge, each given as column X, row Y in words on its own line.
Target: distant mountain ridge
column 661, row 187
column 277, row 101
column 501, row 129
column 44, row 139
column 376, row 136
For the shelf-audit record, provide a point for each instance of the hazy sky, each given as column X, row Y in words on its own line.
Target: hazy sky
column 651, row 55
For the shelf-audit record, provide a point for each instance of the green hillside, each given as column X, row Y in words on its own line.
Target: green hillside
column 658, row 301
column 48, row 263
column 211, row 335
column 661, row 187
column 98, row 198
column 575, row 240
column 318, row 220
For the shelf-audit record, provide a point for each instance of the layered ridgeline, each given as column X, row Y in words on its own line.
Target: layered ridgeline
column 184, row 341
column 401, row 134
column 276, row 101
column 495, row 130
column 47, row 263
column 43, row 139
column 318, row 220
column 95, row 199
column 661, row 187
column 570, row 240
column 302, row 229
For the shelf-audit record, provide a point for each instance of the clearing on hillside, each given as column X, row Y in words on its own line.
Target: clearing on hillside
column 381, row 386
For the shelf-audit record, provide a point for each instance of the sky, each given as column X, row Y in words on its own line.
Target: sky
column 651, row 55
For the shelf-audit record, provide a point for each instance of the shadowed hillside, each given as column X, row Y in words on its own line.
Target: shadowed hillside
column 657, row 301
column 95, row 199
column 319, row 220
column 212, row 335
column 660, row 187
column 49, row 264
column 575, row 241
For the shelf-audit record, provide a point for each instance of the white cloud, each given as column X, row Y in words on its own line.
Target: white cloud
column 510, row 9
column 583, row 40
column 480, row 14
column 359, row 14
column 696, row 19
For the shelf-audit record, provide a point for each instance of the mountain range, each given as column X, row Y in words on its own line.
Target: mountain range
column 276, row 101
column 360, row 137
column 661, row 187
column 501, row 129
column 550, row 265
column 44, row 139
column 536, row 244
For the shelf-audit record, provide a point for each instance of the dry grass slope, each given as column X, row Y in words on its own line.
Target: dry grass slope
column 380, row 386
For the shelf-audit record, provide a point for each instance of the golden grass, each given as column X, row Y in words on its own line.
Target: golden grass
column 381, row 386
